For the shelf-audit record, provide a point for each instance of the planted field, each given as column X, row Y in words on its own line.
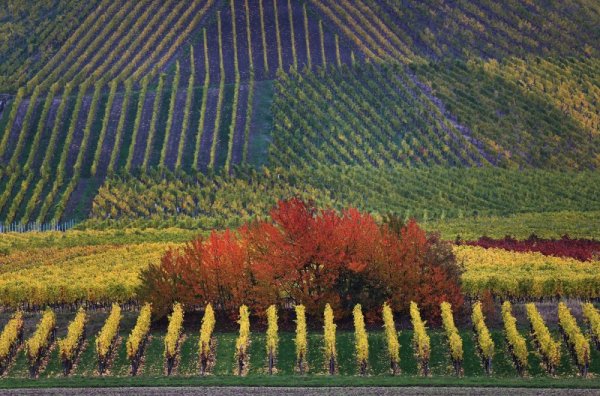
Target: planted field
column 443, row 195
column 410, row 29
column 98, row 274
column 128, row 42
column 367, row 116
column 514, row 126
column 101, row 267
column 181, row 85
column 102, row 272
column 137, row 275
column 107, row 107
column 299, row 192
column 579, row 249
column 223, row 365
column 32, row 32
column 525, row 275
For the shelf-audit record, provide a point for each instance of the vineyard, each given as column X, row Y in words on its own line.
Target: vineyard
column 516, row 127
column 91, row 344
column 343, row 119
column 210, row 85
column 428, row 194
column 103, row 272
column 118, row 101
column 486, row 29
column 30, row 33
column 297, row 192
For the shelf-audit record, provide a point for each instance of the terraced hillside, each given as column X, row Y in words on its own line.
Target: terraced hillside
column 102, row 104
column 210, row 85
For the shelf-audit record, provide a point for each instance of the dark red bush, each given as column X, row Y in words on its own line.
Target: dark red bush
column 579, row 249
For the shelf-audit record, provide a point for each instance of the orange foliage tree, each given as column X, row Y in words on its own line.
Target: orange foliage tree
column 313, row 257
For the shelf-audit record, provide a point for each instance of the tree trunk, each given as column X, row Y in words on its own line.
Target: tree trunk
column 488, row 366
column 425, row 368
column 301, row 364
column 203, row 364
column 67, row 366
column 363, row 367
column 457, row 367
column 331, row 365
column 170, row 364
column 394, row 367
column 240, row 365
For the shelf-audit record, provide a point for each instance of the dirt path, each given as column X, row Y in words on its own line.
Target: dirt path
column 13, row 136
column 238, row 137
column 111, row 132
column 209, row 127
column 175, row 135
column 75, row 146
column 46, row 132
column 142, row 137
column 242, row 391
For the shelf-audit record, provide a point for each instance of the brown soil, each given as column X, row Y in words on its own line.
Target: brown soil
column 111, row 132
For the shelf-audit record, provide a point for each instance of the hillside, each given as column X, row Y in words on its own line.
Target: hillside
column 120, row 89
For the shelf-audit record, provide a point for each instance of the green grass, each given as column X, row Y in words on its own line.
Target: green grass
column 298, row 381
column 152, row 371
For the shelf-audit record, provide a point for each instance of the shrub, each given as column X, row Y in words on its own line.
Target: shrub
column 39, row 343
column 485, row 344
column 272, row 337
column 549, row 348
column 361, row 339
column 205, row 341
column 173, row 336
column 210, row 270
column 391, row 336
column 243, row 341
column 454, row 340
column 578, row 344
column 138, row 337
column 301, row 338
column 329, row 339
column 107, row 338
column 421, row 341
column 70, row 346
column 516, row 342
column 592, row 317
column 10, row 339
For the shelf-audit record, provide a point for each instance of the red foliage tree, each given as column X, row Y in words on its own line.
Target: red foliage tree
column 212, row 270
column 314, row 257
column 304, row 255
column 167, row 282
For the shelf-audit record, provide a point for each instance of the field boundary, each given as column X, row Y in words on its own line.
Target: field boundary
column 297, row 381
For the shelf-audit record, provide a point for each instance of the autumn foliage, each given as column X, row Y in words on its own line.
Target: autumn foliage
column 579, row 249
column 308, row 256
